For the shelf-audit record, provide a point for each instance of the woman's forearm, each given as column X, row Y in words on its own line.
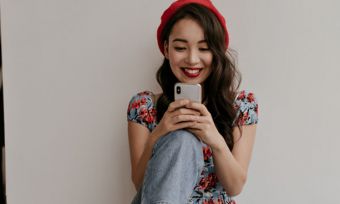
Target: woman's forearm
column 229, row 172
column 138, row 173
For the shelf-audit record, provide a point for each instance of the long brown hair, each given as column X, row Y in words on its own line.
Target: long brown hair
column 220, row 88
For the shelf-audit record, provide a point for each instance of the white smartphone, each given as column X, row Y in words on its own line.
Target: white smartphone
column 192, row 92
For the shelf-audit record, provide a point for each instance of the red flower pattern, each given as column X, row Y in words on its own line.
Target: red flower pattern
column 241, row 95
column 149, row 118
column 146, row 115
column 143, row 101
column 250, row 97
column 135, row 105
column 207, row 153
column 143, row 113
column 208, row 182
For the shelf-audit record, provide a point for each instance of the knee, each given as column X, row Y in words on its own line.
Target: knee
column 181, row 138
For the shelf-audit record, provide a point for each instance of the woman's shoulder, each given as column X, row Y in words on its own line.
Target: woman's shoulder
column 145, row 96
column 145, row 93
column 141, row 98
column 142, row 110
column 245, row 95
column 246, row 104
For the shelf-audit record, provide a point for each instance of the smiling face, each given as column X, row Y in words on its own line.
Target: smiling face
column 188, row 53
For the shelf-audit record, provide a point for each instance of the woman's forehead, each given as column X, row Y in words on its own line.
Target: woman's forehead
column 187, row 30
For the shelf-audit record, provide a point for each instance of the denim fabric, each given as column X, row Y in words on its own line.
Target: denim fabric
column 173, row 170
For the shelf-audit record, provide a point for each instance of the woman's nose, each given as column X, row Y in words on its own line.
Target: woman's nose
column 193, row 57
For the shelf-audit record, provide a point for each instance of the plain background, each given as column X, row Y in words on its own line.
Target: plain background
column 70, row 68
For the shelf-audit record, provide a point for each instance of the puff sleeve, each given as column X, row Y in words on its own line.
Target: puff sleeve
column 141, row 110
column 247, row 106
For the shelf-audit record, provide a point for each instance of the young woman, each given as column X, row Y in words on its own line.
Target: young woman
column 187, row 152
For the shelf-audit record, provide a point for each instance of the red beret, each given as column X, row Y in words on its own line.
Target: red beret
column 169, row 12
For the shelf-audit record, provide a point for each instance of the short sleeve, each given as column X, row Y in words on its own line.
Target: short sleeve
column 247, row 108
column 141, row 110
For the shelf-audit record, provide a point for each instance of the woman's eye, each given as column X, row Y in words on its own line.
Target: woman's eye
column 179, row 48
column 204, row 49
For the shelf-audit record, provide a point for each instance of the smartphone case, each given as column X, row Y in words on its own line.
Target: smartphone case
column 192, row 92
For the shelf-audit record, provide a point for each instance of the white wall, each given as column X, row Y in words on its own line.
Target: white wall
column 70, row 68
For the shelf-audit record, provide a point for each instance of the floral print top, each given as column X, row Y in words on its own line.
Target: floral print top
column 208, row 190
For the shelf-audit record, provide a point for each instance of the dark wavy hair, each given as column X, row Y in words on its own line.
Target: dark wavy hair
column 220, row 88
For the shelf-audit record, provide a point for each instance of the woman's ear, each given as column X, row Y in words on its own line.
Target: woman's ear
column 166, row 49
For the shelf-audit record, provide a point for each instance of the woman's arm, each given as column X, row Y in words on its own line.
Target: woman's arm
column 141, row 143
column 232, row 167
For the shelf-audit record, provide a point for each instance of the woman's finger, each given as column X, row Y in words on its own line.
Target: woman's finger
column 185, row 111
column 202, row 119
column 177, row 104
column 183, row 118
column 199, row 107
column 198, row 126
column 183, row 125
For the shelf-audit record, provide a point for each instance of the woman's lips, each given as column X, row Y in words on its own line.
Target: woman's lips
column 191, row 72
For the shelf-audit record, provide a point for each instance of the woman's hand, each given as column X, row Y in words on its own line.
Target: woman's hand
column 176, row 117
column 204, row 128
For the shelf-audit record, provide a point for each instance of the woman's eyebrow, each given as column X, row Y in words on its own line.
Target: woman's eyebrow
column 185, row 41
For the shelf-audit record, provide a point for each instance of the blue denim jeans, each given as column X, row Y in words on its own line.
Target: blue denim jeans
column 173, row 170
